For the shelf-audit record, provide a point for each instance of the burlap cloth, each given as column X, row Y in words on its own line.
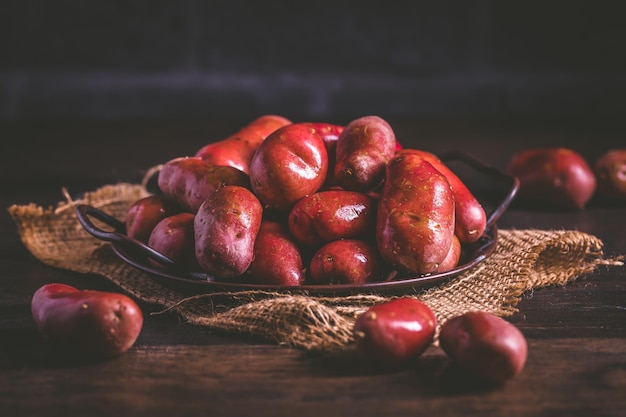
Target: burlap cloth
column 522, row 261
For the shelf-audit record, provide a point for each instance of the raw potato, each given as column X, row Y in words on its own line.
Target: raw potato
column 610, row 171
column 226, row 226
column 415, row 217
column 363, row 150
column 144, row 214
column 237, row 150
column 330, row 134
column 469, row 214
column 174, row 237
column 330, row 215
column 86, row 322
column 190, row 180
column 277, row 259
column 290, row 164
column 485, row 344
column 395, row 332
column 346, row 261
column 558, row 177
column 453, row 257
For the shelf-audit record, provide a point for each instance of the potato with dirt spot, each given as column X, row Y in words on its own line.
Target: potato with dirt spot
column 191, row 180
column 362, row 152
column 290, row 164
column 277, row 258
column 237, row 149
column 225, row 228
column 470, row 216
column 145, row 213
column 86, row 322
column 346, row 261
column 330, row 215
column 415, row 215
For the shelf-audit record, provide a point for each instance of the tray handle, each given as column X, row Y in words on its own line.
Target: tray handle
column 510, row 181
column 84, row 213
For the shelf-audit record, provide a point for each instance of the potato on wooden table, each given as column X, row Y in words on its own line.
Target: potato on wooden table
column 86, row 322
column 557, row 177
column 610, row 171
column 395, row 332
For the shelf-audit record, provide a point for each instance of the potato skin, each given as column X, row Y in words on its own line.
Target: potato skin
column 290, row 164
column 485, row 344
column 453, row 257
column 237, row 149
column 190, row 180
column 395, row 332
column 470, row 216
column 415, row 215
column 86, row 322
column 330, row 134
column 144, row 214
column 225, row 228
column 174, row 237
column 330, row 215
column 363, row 150
column 346, row 261
column 610, row 171
column 277, row 259
column 557, row 176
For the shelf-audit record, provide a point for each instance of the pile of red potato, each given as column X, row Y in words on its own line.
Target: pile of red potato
column 291, row 204
column 288, row 203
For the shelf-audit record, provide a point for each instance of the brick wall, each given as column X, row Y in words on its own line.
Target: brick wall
column 115, row 59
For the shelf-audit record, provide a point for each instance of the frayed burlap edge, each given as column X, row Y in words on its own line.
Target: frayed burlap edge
column 523, row 260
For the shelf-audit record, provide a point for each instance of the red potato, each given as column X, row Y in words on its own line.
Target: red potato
column 363, row 150
column 395, row 332
column 145, row 213
column 452, row 258
column 329, row 133
column 190, row 180
column 237, row 150
column 226, row 226
column 610, row 171
column 557, row 176
column 470, row 216
column 86, row 322
column 415, row 216
column 485, row 344
column 277, row 259
column 174, row 237
column 290, row 164
column 330, row 215
column 346, row 261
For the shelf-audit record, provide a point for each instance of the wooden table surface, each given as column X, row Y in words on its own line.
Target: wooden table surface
column 576, row 334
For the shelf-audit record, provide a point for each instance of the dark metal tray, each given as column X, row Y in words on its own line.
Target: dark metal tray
column 141, row 256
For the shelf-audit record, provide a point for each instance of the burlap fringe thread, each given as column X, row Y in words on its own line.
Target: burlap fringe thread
column 523, row 260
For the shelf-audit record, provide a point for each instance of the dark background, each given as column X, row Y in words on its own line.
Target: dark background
column 236, row 59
